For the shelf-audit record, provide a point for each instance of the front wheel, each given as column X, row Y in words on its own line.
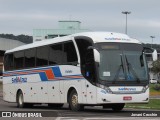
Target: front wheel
column 73, row 101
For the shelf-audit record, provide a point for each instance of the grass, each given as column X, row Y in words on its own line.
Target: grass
column 153, row 104
column 153, row 91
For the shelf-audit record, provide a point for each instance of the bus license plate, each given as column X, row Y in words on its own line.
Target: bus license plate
column 127, row 98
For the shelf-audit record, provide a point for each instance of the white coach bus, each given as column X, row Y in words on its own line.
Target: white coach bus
column 93, row 68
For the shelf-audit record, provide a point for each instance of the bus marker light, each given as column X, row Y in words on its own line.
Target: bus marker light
column 127, row 98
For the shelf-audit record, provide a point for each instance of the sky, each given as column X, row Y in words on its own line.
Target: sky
column 22, row 16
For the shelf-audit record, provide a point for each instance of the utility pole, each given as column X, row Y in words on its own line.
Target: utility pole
column 126, row 13
column 152, row 40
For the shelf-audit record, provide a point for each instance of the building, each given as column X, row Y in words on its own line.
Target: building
column 150, row 60
column 6, row 44
column 65, row 28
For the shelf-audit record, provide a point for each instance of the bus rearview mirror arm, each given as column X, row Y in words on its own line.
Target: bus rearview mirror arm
column 96, row 55
column 147, row 48
column 154, row 52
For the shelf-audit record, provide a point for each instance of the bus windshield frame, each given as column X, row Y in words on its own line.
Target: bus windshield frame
column 122, row 64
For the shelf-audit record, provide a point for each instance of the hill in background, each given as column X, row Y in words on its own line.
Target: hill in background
column 23, row 38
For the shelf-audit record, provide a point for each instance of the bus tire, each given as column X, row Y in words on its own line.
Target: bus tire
column 52, row 105
column 20, row 100
column 73, row 101
column 118, row 106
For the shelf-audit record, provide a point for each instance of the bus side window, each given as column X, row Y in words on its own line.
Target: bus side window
column 55, row 54
column 70, row 55
column 18, row 60
column 8, row 62
column 30, row 57
column 42, row 56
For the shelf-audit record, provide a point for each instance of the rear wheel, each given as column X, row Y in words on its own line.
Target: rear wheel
column 20, row 100
column 73, row 101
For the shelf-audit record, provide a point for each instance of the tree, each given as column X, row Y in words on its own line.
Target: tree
column 23, row 38
column 156, row 66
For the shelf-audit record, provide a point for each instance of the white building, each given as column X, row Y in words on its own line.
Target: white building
column 65, row 28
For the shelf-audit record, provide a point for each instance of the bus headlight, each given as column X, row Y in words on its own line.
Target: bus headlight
column 145, row 89
column 107, row 89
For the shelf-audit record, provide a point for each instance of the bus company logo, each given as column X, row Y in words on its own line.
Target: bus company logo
column 122, row 39
column 127, row 89
column 19, row 80
column 68, row 71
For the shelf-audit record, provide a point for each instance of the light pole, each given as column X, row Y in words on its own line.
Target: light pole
column 152, row 40
column 126, row 12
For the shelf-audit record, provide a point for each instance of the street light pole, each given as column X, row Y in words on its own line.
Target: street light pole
column 152, row 40
column 126, row 12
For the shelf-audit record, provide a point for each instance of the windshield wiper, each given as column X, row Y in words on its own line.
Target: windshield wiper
column 117, row 73
column 133, row 71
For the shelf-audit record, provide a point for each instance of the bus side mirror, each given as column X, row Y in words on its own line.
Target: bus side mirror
column 154, row 52
column 154, row 55
column 96, row 55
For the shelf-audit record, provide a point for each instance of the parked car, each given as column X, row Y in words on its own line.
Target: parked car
column 153, row 81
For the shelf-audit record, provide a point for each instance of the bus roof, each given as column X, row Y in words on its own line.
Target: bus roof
column 95, row 36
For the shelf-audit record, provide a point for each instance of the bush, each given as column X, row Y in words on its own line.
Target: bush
column 157, row 87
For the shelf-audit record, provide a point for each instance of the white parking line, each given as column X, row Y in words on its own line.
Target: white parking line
column 105, row 118
column 122, row 118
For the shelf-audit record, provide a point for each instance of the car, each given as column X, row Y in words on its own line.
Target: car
column 153, row 81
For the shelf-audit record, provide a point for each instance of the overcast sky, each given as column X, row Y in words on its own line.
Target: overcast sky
column 22, row 16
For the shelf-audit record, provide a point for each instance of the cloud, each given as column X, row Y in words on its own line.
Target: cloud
column 21, row 16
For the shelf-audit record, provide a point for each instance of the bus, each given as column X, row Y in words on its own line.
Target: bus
column 85, row 69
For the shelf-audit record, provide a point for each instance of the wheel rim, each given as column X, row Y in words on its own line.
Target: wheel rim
column 20, row 99
column 74, row 100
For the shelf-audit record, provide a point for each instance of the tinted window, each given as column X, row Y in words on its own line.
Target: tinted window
column 30, row 57
column 69, row 53
column 42, row 56
column 8, row 62
column 18, row 60
column 55, row 54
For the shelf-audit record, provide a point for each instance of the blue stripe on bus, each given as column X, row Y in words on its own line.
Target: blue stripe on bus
column 57, row 72
column 43, row 76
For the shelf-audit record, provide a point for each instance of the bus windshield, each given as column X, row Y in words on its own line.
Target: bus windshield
column 122, row 62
